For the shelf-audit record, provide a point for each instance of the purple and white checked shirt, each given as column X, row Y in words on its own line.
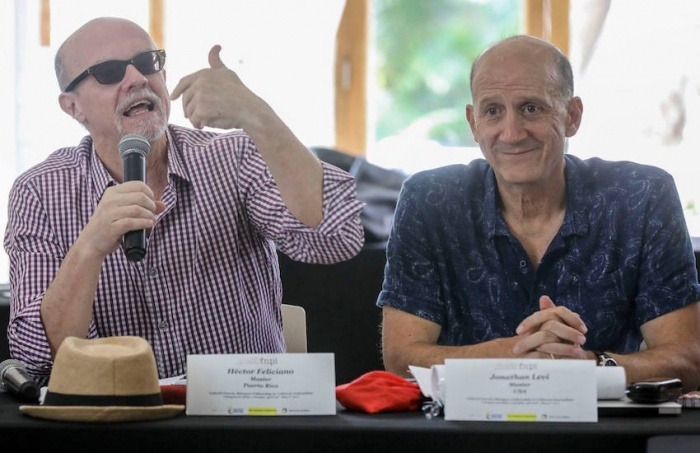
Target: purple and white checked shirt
column 209, row 283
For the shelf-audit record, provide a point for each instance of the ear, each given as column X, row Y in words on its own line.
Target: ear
column 574, row 114
column 471, row 121
column 68, row 104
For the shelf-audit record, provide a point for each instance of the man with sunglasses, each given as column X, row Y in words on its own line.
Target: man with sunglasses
column 216, row 207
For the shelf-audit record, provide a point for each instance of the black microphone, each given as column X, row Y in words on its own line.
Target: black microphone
column 134, row 148
column 14, row 378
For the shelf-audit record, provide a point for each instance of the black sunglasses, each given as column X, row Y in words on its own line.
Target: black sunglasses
column 112, row 71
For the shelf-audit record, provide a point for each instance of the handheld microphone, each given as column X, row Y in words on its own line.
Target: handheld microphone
column 134, row 148
column 14, row 378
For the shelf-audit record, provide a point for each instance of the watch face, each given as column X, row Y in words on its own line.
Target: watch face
column 606, row 360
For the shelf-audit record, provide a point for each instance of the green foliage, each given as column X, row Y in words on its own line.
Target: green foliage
column 424, row 53
column 691, row 207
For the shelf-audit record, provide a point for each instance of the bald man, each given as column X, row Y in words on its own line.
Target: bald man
column 216, row 208
column 534, row 253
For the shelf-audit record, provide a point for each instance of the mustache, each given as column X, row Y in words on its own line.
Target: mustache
column 142, row 94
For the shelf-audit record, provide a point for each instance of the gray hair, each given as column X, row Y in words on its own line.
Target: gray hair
column 59, row 67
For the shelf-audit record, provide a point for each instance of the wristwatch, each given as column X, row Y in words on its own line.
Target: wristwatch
column 604, row 359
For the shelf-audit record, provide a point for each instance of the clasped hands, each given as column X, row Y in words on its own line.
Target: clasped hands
column 552, row 332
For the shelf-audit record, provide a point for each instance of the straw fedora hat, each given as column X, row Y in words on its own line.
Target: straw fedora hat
column 112, row 379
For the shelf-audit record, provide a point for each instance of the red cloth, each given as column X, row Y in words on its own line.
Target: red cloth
column 173, row 394
column 379, row 391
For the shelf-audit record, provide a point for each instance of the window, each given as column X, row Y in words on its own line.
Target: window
column 635, row 64
column 419, row 77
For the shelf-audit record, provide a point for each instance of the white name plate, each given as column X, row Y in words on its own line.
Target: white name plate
column 520, row 390
column 261, row 384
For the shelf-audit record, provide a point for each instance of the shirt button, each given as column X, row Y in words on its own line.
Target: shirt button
column 152, row 271
column 163, row 325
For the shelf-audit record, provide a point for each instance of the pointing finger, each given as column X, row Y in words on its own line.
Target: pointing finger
column 182, row 85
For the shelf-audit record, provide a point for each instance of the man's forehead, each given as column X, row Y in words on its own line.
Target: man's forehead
column 513, row 78
column 514, row 71
column 105, row 39
column 515, row 55
column 512, row 96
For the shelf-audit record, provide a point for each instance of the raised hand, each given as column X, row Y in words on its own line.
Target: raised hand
column 216, row 97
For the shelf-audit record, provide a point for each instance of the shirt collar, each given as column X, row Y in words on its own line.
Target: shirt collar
column 102, row 179
column 575, row 219
column 176, row 162
column 100, row 176
column 495, row 225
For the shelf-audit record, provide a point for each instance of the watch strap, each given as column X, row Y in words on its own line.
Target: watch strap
column 604, row 359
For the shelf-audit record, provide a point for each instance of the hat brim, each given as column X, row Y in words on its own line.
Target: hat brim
column 102, row 414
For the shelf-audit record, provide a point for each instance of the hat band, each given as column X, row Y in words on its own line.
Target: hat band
column 65, row 399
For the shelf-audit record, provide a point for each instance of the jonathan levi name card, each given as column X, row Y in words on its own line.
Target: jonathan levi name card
column 521, row 390
column 261, row 384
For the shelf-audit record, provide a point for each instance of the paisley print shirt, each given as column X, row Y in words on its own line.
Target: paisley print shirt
column 622, row 257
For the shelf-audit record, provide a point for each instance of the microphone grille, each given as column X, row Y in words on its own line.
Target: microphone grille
column 7, row 364
column 134, row 143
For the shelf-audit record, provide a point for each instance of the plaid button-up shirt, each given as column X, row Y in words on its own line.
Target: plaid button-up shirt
column 209, row 283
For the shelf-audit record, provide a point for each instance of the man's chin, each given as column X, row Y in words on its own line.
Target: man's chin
column 153, row 135
column 148, row 129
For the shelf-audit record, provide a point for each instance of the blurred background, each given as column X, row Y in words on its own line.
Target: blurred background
column 383, row 81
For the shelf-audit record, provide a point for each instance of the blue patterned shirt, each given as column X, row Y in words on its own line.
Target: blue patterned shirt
column 622, row 256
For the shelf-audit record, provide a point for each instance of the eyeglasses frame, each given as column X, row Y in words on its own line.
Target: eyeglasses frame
column 89, row 71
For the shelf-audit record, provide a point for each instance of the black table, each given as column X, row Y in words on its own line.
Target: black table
column 346, row 431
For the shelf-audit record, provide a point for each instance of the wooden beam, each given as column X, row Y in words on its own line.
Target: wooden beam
column 534, row 18
column 45, row 23
column 350, row 79
column 559, row 18
column 549, row 20
column 546, row 19
column 156, row 16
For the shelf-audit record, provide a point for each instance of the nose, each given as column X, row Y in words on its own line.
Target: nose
column 133, row 78
column 512, row 128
